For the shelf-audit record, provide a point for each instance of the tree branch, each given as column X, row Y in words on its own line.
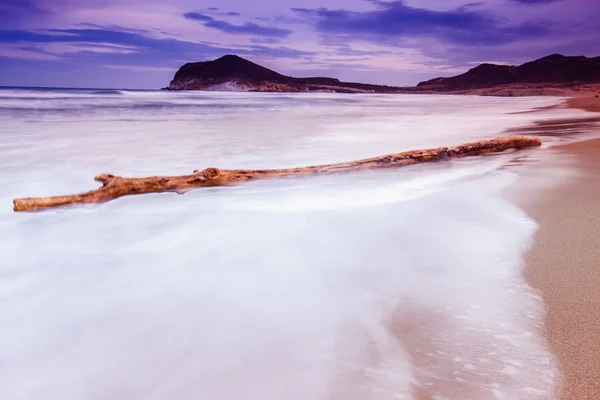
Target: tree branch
column 115, row 186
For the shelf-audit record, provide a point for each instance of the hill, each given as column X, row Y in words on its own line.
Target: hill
column 232, row 72
column 555, row 75
column 554, row 69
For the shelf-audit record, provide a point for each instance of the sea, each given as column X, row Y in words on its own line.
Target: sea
column 393, row 284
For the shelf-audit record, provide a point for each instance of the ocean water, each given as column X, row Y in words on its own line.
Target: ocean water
column 396, row 284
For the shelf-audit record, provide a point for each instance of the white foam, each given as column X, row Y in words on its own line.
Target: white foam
column 292, row 289
column 230, row 86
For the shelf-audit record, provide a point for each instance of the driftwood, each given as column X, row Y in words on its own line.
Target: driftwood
column 114, row 186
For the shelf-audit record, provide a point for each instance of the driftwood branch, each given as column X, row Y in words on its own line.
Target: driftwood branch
column 114, row 186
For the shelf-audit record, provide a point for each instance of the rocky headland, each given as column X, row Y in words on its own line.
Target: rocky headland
column 554, row 75
column 234, row 73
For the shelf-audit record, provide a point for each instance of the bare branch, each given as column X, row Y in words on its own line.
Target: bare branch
column 115, row 186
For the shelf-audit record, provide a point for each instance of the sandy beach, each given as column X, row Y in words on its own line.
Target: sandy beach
column 564, row 263
column 389, row 296
column 588, row 103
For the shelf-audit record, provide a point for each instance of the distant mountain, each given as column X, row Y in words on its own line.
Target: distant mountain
column 553, row 69
column 232, row 73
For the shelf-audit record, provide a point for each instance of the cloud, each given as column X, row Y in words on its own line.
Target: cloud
column 197, row 16
column 21, row 6
column 341, row 37
column 304, row 11
column 489, row 62
column 215, row 11
column 467, row 6
column 113, row 27
column 14, row 13
column 140, row 68
column 249, row 28
column 90, row 47
column 264, row 40
column 26, row 53
column 114, row 47
column 275, row 52
column 534, row 2
column 392, row 21
column 101, row 46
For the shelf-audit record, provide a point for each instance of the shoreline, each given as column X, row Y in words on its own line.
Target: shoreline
column 563, row 264
column 586, row 103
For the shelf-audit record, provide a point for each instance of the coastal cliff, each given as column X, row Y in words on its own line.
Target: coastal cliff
column 234, row 73
column 554, row 75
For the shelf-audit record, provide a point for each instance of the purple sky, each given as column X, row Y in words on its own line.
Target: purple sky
column 140, row 44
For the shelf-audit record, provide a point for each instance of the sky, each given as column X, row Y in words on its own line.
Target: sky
column 140, row 44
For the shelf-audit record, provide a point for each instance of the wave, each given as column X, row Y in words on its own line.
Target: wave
column 108, row 91
column 328, row 289
column 95, row 105
column 28, row 93
column 366, row 189
column 352, row 286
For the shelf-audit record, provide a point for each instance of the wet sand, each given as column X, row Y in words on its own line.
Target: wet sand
column 564, row 262
column 559, row 187
column 588, row 103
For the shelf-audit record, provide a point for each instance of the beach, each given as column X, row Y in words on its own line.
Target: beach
column 564, row 261
column 587, row 103
column 403, row 283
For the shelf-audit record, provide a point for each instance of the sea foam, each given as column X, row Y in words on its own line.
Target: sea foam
column 375, row 285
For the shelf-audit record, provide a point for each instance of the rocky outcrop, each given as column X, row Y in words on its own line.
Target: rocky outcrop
column 554, row 75
column 114, row 187
column 554, row 70
column 235, row 72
